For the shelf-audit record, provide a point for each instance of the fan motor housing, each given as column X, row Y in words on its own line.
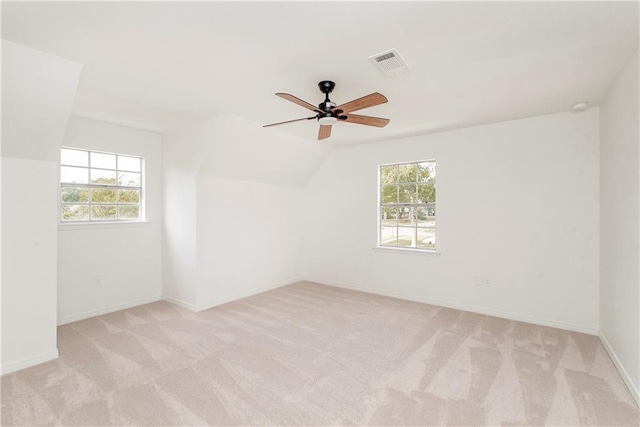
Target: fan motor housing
column 326, row 106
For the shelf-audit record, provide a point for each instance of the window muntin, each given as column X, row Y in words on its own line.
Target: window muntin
column 97, row 186
column 407, row 205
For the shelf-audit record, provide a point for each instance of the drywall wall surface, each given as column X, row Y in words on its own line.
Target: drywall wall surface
column 179, row 237
column 106, row 267
column 37, row 95
column 180, row 153
column 38, row 90
column 209, row 164
column 517, row 205
column 619, row 222
column 248, row 238
column 29, row 262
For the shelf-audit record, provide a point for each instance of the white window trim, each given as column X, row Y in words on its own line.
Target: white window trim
column 398, row 249
column 96, row 225
column 88, row 224
column 412, row 251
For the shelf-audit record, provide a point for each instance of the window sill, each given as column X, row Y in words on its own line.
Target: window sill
column 409, row 251
column 68, row 226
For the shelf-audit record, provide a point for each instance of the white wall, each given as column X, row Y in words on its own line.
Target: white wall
column 179, row 277
column 248, row 238
column 125, row 257
column 619, row 224
column 234, row 230
column 29, row 262
column 37, row 96
column 517, row 203
column 182, row 153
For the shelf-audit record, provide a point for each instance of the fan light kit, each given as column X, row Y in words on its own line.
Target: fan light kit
column 328, row 113
column 328, row 120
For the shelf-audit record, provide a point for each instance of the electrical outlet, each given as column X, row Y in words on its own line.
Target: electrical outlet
column 482, row 281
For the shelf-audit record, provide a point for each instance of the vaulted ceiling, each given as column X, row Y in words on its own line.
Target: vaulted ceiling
column 470, row 63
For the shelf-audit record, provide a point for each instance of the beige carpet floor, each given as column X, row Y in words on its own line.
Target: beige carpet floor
column 308, row 354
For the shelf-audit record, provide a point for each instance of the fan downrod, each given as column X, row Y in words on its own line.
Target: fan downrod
column 326, row 87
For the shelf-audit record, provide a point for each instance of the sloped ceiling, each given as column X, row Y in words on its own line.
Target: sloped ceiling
column 236, row 148
column 231, row 147
column 37, row 97
column 471, row 62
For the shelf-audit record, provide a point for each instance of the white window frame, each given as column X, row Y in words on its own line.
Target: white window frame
column 89, row 186
column 380, row 206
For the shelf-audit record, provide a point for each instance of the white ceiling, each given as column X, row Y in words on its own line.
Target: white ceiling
column 471, row 63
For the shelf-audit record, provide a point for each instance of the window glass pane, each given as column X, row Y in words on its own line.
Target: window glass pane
column 407, row 193
column 426, row 217
column 389, row 236
column 389, row 194
column 426, row 238
column 431, row 209
column 411, row 222
column 103, row 195
column 407, row 173
column 389, row 217
column 407, row 216
column 74, row 157
column 129, row 179
column 427, row 192
column 102, row 212
column 129, row 163
column 128, row 196
column 407, row 237
column 75, row 212
column 426, row 171
column 129, row 212
column 103, row 177
column 388, row 174
column 88, row 186
column 75, row 194
column 101, row 160
column 74, row 175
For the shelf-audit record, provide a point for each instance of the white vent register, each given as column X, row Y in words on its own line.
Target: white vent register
column 389, row 63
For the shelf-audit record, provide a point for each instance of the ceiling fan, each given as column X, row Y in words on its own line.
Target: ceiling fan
column 328, row 113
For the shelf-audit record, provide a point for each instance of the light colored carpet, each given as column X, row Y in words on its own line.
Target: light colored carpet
column 308, row 354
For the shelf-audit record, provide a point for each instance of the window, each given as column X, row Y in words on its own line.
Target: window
column 407, row 208
column 98, row 186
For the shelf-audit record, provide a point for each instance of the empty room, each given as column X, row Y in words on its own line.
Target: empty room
column 320, row 213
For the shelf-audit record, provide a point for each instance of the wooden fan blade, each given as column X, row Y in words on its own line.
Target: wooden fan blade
column 289, row 121
column 324, row 132
column 364, row 102
column 298, row 101
column 366, row 120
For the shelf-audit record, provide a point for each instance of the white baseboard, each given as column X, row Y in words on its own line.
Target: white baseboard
column 105, row 310
column 245, row 294
column 464, row 307
column 28, row 362
column 623, row 373
column 180, row 303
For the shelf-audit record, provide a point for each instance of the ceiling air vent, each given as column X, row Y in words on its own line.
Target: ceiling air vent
column 389, row 63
